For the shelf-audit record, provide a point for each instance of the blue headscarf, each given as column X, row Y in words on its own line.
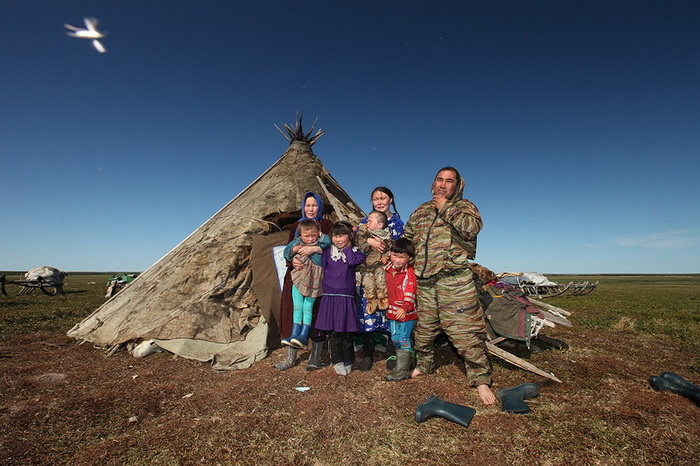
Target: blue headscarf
column 319, row 212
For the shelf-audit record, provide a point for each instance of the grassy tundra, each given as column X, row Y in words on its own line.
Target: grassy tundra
column 64, row 403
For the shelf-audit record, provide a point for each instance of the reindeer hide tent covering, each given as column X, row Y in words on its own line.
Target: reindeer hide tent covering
column 215, row 296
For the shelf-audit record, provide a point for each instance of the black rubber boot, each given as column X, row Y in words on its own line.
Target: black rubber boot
column 316, row 353
column 435, row 406
column 335, row 349
column 676, row 379
column 512, row 399
column 290, row 361
column 661, row 384
column 368, row 350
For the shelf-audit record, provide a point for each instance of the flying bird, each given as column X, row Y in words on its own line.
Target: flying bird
column 90, row 32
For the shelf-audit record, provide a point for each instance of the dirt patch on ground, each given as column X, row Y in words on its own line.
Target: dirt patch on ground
column 67, row 403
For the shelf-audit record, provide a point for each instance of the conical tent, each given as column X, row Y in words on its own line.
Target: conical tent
column 215, row 296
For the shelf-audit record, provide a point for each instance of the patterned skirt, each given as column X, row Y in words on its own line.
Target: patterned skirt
column 308, row 280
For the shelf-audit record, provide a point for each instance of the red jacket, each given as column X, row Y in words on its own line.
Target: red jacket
column 401, row 290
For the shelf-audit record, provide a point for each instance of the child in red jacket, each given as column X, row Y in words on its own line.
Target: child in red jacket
column 401, row 290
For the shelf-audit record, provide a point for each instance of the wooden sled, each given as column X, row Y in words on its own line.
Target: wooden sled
column 519, row 362
column 549, row 291
column 28, row 286
column 552, row 316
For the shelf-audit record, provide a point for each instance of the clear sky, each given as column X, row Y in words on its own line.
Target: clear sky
column 575, row 123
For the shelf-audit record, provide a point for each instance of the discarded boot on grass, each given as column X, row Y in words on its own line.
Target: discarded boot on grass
column 435, row 406
column 680, row 381
column 661, row 384
column 513, row 399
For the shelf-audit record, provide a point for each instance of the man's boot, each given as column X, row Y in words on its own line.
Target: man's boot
column 316, row 353
column 296, row 328
column 289, row 361
column 403, row 367
column 512, row 399
column 435, row 406
column 662, row 384
column 301, row 341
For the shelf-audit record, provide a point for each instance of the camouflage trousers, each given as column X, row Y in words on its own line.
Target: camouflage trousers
column 450, row 303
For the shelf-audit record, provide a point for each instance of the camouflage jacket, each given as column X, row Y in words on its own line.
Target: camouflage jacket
column 444, row 239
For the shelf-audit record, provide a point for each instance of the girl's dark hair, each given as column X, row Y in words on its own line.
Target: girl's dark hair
column 341, row 228
column 403, row 246
column 387, row 191
column 308, row 224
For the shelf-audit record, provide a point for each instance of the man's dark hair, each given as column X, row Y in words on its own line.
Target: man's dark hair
column 452, row 169
column 403, row 246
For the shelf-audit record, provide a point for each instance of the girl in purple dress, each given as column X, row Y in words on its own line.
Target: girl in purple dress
column 337, row 312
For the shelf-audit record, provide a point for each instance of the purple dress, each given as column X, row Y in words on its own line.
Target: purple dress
column 338, row 310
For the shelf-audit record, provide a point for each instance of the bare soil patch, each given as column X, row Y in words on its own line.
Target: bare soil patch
column 64, row 403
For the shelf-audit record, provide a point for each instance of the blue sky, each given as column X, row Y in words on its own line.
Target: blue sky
column 576, row 123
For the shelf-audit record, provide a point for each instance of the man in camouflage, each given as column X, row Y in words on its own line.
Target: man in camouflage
column 444, row 233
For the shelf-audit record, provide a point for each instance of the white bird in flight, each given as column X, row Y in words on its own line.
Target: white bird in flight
column 90, row 32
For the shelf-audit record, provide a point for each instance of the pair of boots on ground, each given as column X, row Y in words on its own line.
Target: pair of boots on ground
column 341, row 349
column 314, row 356
column 512, row 401
column 674, row 383
column 399, row 361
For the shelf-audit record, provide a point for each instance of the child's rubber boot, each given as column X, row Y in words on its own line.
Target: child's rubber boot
column 366, row 363
column 289, row 361
column 435, row 406
column 301, row 340
column 296, row 328
column 402, row 371
column 315, row 361
column 661, row 384
column 513, row 399
column 676, row 379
